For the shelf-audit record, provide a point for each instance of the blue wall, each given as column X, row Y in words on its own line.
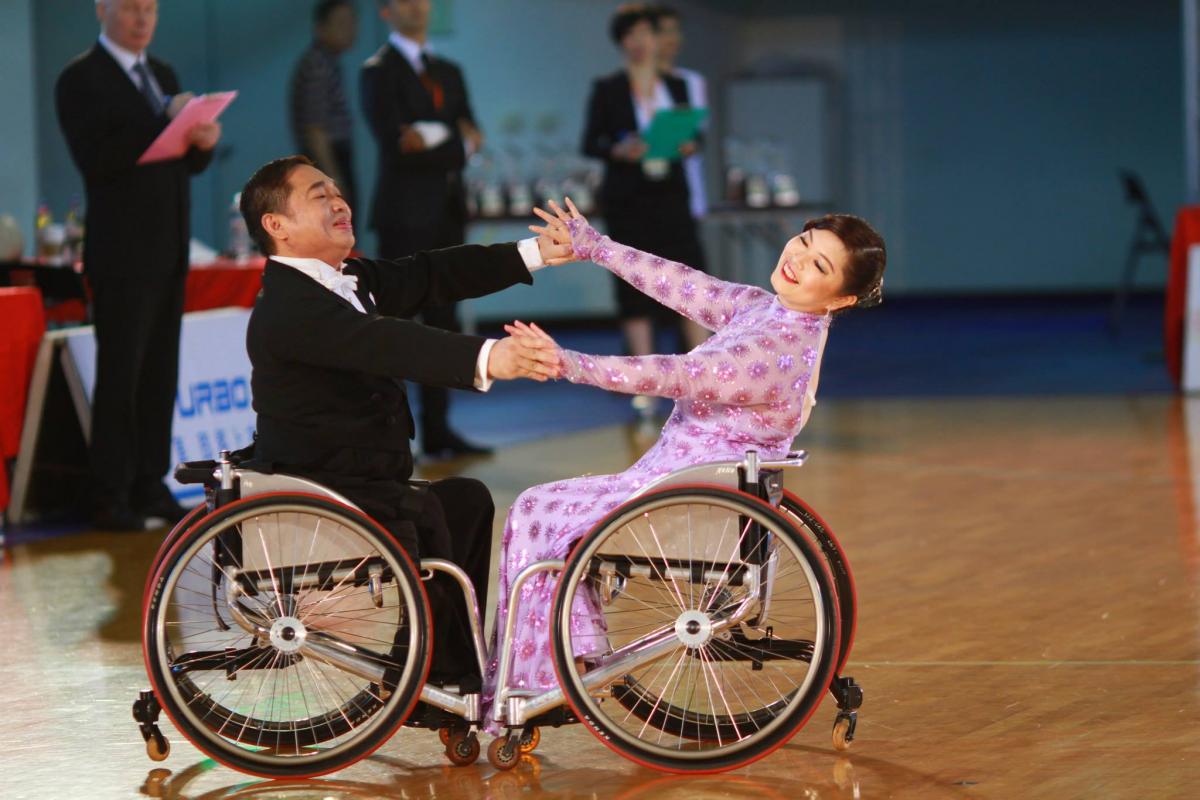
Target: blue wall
column 18, row 127
column 983, row 137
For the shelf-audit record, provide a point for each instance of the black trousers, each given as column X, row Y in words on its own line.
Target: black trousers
column 137, row 321
column 451, row 519
column 397, row 243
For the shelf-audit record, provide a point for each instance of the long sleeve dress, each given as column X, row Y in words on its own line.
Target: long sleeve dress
column 749, row 386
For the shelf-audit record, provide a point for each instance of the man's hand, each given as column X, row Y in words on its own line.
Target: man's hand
column 688, row 149
column 410, row 140
column 471, row 135
column 205, row 135
column 554, row 238
column 524, row 355
column 178, row 102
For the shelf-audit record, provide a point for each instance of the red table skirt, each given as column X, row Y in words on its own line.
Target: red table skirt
column 24, row 324
column 226, row 283
column 1187, row 233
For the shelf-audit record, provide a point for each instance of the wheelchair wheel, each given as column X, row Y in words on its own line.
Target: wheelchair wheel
column 809, row 523
column 715, row 618
column 286, row 635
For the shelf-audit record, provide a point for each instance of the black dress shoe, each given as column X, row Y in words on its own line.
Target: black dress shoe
column 117, row 518
column 449, row 444
column 161, row 504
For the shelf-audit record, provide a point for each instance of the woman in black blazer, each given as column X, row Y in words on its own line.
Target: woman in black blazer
column 646, row 203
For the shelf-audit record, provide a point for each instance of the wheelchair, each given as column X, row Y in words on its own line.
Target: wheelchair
column 287, row 634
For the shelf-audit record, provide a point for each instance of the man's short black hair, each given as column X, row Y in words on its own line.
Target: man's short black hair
column 663, row 11
column 267, row 192
column 325, row 8
column 626, row 19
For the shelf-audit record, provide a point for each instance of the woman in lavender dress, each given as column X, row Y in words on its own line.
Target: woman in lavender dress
column 751, row 385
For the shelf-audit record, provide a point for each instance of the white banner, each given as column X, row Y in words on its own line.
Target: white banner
column 212, row 401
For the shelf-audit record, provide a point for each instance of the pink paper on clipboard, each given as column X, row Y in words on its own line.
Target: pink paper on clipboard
column 172, row 142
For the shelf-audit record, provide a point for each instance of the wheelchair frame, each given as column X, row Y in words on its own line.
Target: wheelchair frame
column 520, row 709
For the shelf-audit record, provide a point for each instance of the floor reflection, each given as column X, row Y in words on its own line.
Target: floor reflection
column 819, row 774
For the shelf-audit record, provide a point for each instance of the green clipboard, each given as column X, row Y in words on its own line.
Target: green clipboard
column 670, row 128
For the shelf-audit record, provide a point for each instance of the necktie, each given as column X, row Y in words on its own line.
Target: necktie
column 147, row 87
column 431, row 85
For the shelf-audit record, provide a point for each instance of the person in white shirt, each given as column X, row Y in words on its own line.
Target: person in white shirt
column 670, row 43
column 112, row 102
column 417, row 106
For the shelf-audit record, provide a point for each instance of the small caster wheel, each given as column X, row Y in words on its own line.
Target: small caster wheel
column 843, row 731
column 158, row 748
column 444, row 736
column 463, row 749
column 503, row 753
column 530, row 738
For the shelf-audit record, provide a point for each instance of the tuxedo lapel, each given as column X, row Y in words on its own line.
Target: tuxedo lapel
column 415, row 95
column 128, row 96
column 293, row 281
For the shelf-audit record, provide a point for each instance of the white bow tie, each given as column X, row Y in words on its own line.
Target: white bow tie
column 340, row 283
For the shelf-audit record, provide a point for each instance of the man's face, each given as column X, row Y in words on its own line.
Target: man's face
column 409, row 17
column 128, row 23
column 670, row 39
column 339, row 29
column 316, row 221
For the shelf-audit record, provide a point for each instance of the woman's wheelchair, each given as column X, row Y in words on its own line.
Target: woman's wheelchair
column 288, row 634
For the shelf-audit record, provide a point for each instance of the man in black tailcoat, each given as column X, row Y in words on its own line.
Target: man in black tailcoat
column 112, row 103
column 331, row 342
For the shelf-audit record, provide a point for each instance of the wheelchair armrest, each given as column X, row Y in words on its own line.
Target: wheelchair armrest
column 196, row 472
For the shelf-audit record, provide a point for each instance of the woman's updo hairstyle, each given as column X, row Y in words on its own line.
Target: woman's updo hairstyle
column 627, row 17
column 868, row 256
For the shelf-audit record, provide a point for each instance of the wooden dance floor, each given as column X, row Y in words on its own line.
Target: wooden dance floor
column 1029, row 584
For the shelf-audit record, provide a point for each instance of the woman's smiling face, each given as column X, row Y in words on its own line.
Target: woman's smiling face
column 811, row 273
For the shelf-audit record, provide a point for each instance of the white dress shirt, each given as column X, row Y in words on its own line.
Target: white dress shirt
column 693, row 165
column 128, row 60
column 432, row 132
column 344, row 285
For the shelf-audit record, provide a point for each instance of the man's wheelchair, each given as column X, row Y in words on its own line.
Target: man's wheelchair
column 288, row 634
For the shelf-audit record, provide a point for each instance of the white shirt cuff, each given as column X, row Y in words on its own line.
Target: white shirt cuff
column 482, row 381
column 531, row 254
column 432, row 133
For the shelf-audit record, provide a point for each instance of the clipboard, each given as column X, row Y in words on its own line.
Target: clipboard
column 670, row 128
column 172, row 142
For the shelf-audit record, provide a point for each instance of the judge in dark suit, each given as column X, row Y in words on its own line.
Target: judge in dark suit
column 417, row 107
column 112, row 102
column 646, row 202
column 331, row 342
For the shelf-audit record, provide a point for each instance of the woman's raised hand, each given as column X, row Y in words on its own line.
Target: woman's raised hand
column 531, row 335
column 554, row 238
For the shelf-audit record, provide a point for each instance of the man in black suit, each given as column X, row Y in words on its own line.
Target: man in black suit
column 331, row 342
column 112, row 102
column 416, row 104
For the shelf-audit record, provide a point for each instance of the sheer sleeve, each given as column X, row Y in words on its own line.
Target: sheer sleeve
column 747, row 372
column 696, row 295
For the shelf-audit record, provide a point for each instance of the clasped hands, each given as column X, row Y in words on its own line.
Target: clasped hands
column 633, row 148
column 528, row 351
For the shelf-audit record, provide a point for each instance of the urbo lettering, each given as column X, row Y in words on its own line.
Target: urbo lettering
column 214, row 397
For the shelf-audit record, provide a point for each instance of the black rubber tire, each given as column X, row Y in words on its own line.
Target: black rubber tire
column 397, row 706
column 794, row 713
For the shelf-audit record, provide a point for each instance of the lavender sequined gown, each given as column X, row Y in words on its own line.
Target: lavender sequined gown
column 751, row 385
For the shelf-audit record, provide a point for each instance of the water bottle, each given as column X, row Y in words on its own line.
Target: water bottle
column 240, row 245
